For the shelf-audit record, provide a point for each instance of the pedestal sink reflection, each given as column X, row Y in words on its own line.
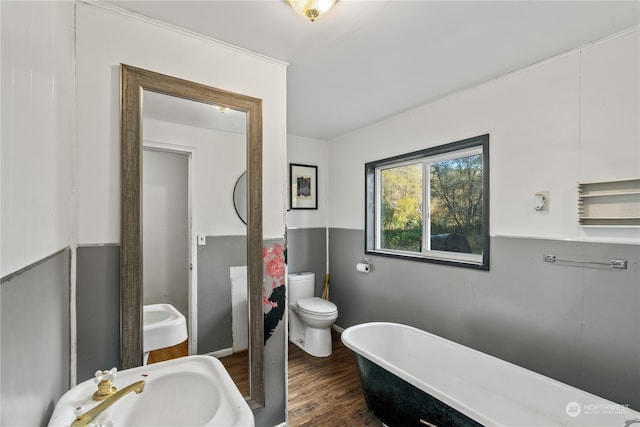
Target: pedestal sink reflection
column 163, row 326
column 189, row 391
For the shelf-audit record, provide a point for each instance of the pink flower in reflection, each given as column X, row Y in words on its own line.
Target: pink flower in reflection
column 278, row 250
column 275, row 268
column 274, row 302
column 273, row 258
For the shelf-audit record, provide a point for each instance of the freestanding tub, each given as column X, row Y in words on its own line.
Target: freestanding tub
column 414, row 378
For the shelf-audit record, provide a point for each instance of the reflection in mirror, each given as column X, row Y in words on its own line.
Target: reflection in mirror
column 166, row 254
column 196, row 258
column 240, row 197
column 192, row 152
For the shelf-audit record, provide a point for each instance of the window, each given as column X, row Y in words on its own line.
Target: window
column 431, row 205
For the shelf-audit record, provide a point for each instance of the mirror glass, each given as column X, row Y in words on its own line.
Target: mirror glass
column 192, row 152
column 240, row 197
column 182, row 248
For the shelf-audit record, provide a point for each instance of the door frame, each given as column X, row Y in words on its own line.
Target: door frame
column 191, row 153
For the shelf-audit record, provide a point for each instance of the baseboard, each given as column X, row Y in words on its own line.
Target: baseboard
column 337, row 328
column 221, row 353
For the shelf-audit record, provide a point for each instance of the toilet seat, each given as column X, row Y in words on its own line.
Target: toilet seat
column 317, row 306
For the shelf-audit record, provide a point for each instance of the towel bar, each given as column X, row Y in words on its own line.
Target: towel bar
column 618, row 264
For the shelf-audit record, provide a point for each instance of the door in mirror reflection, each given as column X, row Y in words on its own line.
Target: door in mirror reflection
column 166, row 252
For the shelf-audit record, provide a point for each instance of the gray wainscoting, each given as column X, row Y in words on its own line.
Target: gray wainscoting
column 98, row 327
column 214, row 290
column 98, row 309
column 35, row 340
column 98, row 300
column 214, row 318
column 574, row 323
column 307, row 251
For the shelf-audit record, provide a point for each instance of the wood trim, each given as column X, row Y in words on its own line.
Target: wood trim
column 133, row 82
column 254, row 257
column 131, row 220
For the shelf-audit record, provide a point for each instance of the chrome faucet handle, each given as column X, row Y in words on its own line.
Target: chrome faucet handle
column 104, row 380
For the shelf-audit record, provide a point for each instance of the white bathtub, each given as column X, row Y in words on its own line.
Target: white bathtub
column 481, row 389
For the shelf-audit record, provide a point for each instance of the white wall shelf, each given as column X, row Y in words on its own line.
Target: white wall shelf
column 609, row 203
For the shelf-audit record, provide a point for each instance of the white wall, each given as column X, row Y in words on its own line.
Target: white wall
column 106, row 38
column 570, row 119
column 308, row 151
column 37, row 131
column 219, row 158
column 37, row 136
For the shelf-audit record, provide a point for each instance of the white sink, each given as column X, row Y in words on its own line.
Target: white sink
column 163, row 326
column 189, row 391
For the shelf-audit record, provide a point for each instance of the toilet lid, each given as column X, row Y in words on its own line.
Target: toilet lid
column 315, row 305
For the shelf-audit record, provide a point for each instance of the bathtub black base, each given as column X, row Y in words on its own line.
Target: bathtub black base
column 397, row 403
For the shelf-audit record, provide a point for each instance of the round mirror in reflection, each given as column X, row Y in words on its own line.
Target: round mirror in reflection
column 240, row 197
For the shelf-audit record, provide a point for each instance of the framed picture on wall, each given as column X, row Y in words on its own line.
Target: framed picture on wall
column 303, row 186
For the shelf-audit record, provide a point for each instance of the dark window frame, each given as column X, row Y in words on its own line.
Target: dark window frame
column 371, row 202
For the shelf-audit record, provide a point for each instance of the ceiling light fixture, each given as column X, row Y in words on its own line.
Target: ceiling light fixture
column 312, row 9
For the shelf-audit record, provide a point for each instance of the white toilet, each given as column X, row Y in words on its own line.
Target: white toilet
column 310, row 318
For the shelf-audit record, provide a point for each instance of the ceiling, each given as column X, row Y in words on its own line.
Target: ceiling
column 367, row 60
column 186, row 112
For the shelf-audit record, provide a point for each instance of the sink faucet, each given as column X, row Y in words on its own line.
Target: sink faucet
column 90, row 415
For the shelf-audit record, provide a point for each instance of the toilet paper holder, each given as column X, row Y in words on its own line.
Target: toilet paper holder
column 364, row 266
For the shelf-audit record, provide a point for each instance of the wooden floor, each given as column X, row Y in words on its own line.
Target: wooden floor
column 326, row 391
column 237, row 366
column 169, row 353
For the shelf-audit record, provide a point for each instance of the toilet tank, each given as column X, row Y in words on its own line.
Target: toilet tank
column 301, row 285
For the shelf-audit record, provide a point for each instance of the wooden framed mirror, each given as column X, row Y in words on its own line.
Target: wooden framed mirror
column 133, row 82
